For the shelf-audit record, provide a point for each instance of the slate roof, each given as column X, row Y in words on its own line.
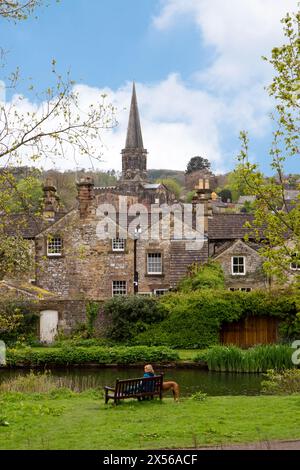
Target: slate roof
column 26, row 225
column 228, row 226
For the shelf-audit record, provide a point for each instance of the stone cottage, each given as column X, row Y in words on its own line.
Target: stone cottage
column 122, row 239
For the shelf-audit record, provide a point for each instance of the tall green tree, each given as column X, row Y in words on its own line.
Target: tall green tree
column 275, row 219
column 198, row 163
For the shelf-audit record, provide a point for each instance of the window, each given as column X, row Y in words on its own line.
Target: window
column 154, row 263
column 118, row 244
column 160, row 292
column 295, row 265
column 238, row 265
column 242, row 289
column 145, row 294
column 119, row 288
column 54, row 246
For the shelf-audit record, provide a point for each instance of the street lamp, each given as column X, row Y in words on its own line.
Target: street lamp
column 137, row 233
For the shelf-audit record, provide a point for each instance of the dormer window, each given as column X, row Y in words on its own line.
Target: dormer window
column 54, row 246
column 238, row 266
column 118, row 244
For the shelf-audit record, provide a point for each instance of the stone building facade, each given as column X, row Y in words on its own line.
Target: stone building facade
column 74, row 262
column 93, row 253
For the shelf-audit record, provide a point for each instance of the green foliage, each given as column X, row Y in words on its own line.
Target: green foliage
column 199, row 396
column 15, row 256
column 26, row 196
column 194, row 318
column 189, row 197
column 172, row 185
column 70, row 355
column 92, row 311
column 225, row 195
column 198, row 163
column 274, row 218
column 128, row 316
column 18, row 321
column 284, row 383
column 206, row 276
column 176, row 175
column 256, row 359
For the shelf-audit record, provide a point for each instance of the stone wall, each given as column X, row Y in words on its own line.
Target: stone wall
column 254, row 277
column 87, row 266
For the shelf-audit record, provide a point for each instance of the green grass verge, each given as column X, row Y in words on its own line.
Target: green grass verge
column 189, row 354
column 69, row 421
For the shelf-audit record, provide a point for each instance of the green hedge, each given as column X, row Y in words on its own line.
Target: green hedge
column 194, row 319
column 80, row 355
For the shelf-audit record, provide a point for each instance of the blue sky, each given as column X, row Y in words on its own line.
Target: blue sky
column 196, row 63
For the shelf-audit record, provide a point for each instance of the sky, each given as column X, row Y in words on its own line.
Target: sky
column 197, row 65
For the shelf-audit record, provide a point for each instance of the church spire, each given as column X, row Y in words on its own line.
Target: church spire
column 134, row 138
column 134, row 156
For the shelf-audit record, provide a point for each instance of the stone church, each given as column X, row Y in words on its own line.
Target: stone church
column 74, row 264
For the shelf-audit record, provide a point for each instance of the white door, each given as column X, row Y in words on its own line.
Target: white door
column 48, row 325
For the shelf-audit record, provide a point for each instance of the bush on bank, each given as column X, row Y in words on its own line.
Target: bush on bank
column 194, row 319
column 65, row 356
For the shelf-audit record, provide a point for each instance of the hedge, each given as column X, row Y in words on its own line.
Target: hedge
column 194, row 319
column 65, row 356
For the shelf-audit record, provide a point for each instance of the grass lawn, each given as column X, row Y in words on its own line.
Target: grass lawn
column 188, row 354
column 83, row 421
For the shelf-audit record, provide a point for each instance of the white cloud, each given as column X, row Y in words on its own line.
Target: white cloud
column 179, row 121
column 240, row 31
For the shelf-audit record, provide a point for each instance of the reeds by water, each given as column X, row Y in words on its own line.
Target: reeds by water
column 256, row 359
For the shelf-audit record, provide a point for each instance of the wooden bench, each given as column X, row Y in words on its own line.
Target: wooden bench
column 141, row 388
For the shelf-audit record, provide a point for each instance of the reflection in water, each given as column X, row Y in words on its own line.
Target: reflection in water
column 190, row 380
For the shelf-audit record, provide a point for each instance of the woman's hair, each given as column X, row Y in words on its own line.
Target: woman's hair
column 149, row 368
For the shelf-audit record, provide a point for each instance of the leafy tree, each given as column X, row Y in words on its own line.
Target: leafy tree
column 225, row 194
column 18, row 9
column 198, row 163
column 189, row 197
column 278, row 222
column 57, row 126
column 29, row 191
column 128, row 316
column 172, row 185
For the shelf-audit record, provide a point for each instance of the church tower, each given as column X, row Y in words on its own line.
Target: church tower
column 134, row 156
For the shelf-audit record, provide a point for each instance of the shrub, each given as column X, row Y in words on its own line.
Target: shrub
column 206, row 276
column 18, row 321
column 199, row 396
column 128, row 316
column 194, row 319
column 92, row 311
column 284, row 383
column 68, row 354
column 256, row 359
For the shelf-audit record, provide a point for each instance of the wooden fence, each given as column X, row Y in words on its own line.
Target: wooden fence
column 250, row 331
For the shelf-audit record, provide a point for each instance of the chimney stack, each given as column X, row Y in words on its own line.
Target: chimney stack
column 86, row 196
column 203, row 196
column 51, row 201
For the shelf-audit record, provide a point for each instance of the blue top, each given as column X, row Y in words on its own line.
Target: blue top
column 148, row 374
